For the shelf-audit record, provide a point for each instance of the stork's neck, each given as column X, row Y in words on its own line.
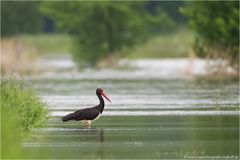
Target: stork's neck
column 101, row 104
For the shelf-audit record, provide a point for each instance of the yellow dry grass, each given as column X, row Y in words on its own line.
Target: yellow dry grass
column 16, row 57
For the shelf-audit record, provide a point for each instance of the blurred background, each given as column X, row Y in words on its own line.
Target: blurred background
column 171, row 69
column 39, row 37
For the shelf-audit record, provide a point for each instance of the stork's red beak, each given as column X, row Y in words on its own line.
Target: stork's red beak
column 104, row 95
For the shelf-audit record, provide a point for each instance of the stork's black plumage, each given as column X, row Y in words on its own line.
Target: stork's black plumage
column 88, row 114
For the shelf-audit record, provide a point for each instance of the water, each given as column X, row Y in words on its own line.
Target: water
column 147, row 119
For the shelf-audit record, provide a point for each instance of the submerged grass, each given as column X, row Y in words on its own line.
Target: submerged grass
column 21, row 110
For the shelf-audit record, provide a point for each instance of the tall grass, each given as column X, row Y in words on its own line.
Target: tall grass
column 170, row 45
column 21, row 110
column 48, row 44
column 23, row 105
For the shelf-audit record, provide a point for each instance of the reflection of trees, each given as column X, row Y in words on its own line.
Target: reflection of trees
column 209, row 135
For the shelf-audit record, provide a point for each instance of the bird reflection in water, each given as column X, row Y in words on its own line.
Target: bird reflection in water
column 91, row 134
column 96, row 136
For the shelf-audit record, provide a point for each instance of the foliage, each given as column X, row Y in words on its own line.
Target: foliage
column 10, row 136
column 21, row 110
column 217, row 27
column 102, row 28
column 20, row 17
column 170, row 7
column 22, row 106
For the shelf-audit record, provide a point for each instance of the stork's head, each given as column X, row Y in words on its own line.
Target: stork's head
column 99, row 91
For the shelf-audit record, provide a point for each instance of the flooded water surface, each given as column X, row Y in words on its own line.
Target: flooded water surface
column 147, row 119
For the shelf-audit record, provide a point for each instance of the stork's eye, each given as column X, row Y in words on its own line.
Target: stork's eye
column 99, row 90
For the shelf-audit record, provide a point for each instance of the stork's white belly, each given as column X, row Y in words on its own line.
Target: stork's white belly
column 97, row 116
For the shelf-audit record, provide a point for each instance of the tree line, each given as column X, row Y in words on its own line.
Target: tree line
column 101, row 29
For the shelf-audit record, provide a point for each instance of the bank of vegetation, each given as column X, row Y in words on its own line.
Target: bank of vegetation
column 21, row 111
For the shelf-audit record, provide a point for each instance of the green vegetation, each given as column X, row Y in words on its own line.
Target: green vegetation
column 20, row 17
column 217, row 28
column 48, row 43
column 21, row 110
column 103, row 28
column 174, row 45
column 10, row 135
column 99, row 32
column 161, row 46
column 22, row 105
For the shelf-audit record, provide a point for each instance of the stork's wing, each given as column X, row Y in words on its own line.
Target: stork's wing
column 86, row 114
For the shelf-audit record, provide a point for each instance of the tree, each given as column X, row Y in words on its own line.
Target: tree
column 103, row 28
column 170, row 7
column 19, row 17
column 217, row 28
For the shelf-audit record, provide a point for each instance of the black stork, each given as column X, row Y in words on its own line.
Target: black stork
column 87, row 115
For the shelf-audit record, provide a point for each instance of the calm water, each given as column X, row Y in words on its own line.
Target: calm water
column 148, row 119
